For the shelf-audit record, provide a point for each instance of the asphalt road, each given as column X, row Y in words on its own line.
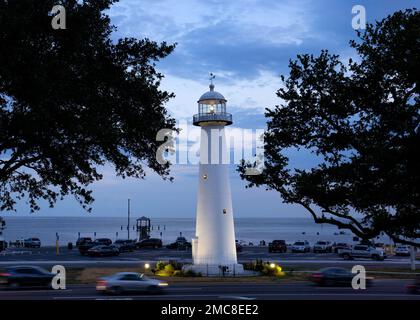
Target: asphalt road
column 71, row 258
column 287, row 290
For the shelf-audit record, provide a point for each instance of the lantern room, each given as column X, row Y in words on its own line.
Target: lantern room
column 212, row 108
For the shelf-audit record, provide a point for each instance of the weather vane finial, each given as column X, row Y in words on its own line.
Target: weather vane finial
column 212, row 76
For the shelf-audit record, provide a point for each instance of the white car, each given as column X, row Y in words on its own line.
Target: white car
column 32, row 243
column 322, row 246
column 363, row 251
column 301, row 246
column 122, row 282
column 402, row 250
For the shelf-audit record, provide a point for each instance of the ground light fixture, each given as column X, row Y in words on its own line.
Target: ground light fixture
column 146, row 266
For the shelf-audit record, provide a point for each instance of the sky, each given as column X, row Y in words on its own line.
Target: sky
column 247, row 44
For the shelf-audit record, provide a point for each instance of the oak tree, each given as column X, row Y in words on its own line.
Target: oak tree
column 73, row 100
column 361, row 121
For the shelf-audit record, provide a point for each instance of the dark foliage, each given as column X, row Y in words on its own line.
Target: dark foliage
column 73, row 100
column 362, row 120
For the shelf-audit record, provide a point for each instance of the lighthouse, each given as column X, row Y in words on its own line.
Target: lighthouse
column 214, row 247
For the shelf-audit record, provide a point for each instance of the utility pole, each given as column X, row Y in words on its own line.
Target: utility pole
column 128, row 221
column 57, row 245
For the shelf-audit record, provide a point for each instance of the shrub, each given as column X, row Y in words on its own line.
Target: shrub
column 188, row 273
column 268, row 270
column 256, row 265
column 160, row 265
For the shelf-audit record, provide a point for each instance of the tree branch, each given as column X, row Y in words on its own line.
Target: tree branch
column 339, row 224
column 12, row 165
column 344, row 216
column 403, row 241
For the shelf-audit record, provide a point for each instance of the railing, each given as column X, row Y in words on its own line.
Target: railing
column 208, row 117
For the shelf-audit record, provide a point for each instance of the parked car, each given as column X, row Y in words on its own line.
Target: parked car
column 180, row 244
column 413, row 287
column 340, row 246
column 103, row 241
column 334, row 276
column 363, row 251
column 301, row 246
column 103, row 251
column 83, row 240
column 85, row 246
column 401, row 250
column 26, row 276
column 129, row 282
column 277, row 246
column 32, row 243
column 322, row 246
column 3, row 245
column 125, row 245
column 149, row 243
column 239, row 247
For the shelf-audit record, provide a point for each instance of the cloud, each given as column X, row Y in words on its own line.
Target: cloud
column 251, row 96
column 238, row 38
column 245, row 19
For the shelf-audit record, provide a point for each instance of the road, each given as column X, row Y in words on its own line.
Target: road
column 47, row 256
column 287, row 290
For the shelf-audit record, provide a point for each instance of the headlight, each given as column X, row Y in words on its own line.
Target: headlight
column 162, row 284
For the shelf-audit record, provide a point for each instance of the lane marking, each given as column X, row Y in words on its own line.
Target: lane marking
column 31, row 291
column 237, row 297
column 165, row 297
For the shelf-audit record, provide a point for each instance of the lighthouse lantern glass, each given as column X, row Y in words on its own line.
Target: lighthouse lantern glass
column 211, row 107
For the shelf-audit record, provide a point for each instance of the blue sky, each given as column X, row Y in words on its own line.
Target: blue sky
column 247, row 44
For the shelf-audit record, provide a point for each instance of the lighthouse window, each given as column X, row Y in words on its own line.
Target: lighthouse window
column 204, row 176
column 224, row 211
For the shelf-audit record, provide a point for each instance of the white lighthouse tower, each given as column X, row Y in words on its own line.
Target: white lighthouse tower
column 214, row 248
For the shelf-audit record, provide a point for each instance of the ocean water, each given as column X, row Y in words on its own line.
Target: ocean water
column 247, row 229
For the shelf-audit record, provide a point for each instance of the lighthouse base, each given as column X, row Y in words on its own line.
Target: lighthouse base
column 212, row 270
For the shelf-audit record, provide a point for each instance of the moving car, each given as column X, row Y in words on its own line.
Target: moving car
column 149, row 243
column 363, row 251
column 32, row 243
column 26, row 276
column 129, row 282
column 322, row 246
column 402, row 250
column 334, row 276
column 277, row 246
column 83, row 240
column 103, row 251
column 125, row 245
column 301, row 246
column 180, row 244
column 414, row 287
